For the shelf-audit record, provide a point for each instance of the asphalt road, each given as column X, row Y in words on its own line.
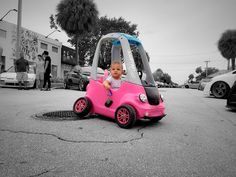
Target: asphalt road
column 197, row 138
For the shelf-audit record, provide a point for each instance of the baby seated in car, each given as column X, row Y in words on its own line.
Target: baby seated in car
column 114, row 80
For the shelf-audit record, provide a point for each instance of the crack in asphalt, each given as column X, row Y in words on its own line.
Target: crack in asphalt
column 46, row 171
column 81, row 141
column 43, row 172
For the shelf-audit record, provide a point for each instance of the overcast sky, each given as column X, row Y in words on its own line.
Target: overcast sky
column 179, row 35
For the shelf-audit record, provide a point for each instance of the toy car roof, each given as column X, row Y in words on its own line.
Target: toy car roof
column 122, row 42
column 132, row 40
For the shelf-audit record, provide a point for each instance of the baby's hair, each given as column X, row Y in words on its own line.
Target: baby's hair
column 117, row 62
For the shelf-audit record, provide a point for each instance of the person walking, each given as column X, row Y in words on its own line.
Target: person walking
column 22, row 69
column 39, row 72
column 47, row 71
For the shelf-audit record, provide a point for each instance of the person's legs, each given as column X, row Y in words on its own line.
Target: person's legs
column 19, row 79
column 37, row 81
column 25, row 78
column 20, row 85
column 44, row 81
column 41, row 78
column 40, row 84
column 47, row 80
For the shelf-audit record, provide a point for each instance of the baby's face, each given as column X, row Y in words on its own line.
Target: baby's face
column 116, row 70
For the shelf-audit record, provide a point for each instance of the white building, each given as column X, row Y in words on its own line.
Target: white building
column 31, row 43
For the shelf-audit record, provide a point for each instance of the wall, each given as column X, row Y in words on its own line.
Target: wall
column 30, row 44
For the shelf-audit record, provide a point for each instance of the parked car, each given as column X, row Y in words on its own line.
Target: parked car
column 220, row 85
column 231, row 99
column 159, row 84
column 78, row 77
column 203, row 83
column 192, row 85
column 8, row 78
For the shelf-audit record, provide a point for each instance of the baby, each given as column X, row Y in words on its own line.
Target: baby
column 114, row 80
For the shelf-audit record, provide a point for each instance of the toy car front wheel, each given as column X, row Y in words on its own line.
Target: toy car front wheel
column 82, row 106
column 125, row 116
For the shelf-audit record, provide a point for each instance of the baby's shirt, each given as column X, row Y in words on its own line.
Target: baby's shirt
column 115, row 84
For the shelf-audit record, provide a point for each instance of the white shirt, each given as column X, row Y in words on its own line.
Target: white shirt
column 115, row 83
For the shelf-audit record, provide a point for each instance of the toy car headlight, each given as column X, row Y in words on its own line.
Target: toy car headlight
column 143, row 98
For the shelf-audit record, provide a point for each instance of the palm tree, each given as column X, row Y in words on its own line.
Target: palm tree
column 76, row 18
column 227, row 46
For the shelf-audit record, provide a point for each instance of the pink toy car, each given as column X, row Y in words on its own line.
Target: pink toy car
column 138, row 96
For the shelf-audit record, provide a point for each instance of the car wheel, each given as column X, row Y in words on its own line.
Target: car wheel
column 220, row 89
column 125, row 116
column 82, row 106
column 66, row 86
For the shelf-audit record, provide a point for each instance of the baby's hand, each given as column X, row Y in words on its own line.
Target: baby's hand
column 106, row 84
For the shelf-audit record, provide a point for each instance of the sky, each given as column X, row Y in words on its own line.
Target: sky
column 179, row 35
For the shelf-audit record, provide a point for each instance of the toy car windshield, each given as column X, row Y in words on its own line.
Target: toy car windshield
column 123, row 46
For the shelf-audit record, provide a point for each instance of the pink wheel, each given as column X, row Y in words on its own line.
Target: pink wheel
column 82, row 106
column 125, row 116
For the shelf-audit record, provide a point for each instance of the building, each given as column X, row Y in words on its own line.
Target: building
column 68, row 59
column 32, row 44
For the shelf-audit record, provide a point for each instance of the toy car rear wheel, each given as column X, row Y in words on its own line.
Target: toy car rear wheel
column 125, row 116
column 220, row 89
column 82, row 106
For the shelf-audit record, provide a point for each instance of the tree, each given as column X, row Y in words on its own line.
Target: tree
column 227, row 46
column 190, row 77
column 104, row 25
column 166, row 78
column 77, row 18
column 158, row 74
column 198, row 70
column 210, row 70
column 53, row 25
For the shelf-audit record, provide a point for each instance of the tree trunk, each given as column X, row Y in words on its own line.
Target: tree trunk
column 228, row 64
column 233, row 63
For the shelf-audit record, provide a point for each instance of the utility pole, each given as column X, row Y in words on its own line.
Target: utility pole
column 207, row 66
column 18, row 32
